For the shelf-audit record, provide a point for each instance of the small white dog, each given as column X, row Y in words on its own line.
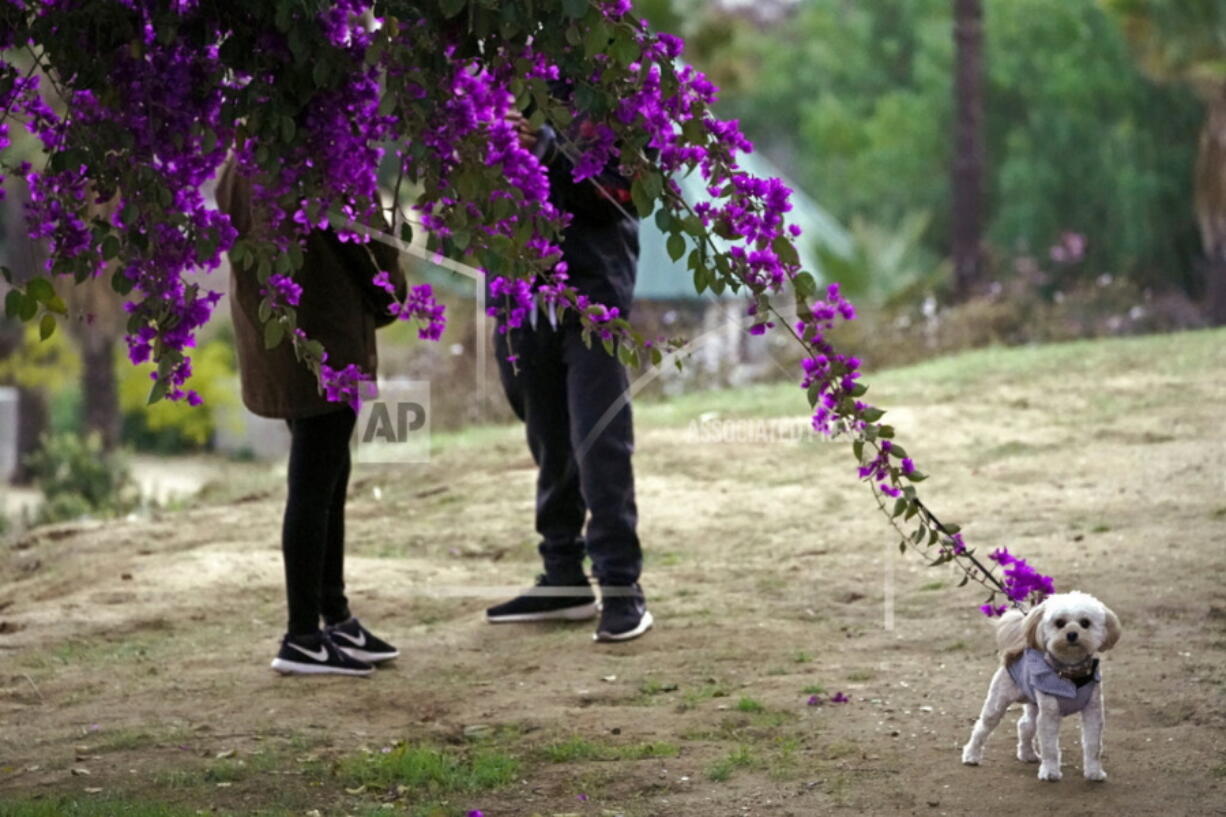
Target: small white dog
column 1048, row 664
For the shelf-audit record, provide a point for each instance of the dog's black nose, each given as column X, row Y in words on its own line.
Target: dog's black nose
column 1072, row 637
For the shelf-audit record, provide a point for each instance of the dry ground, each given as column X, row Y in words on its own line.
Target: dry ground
column 137, row 651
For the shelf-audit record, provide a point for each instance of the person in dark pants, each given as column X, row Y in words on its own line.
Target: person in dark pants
column 574, row 402
column 340, row 308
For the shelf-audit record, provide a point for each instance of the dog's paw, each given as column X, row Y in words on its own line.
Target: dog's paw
column 1096, row 775
column 1049, row 774
column 971, row 756
column 1027, row 755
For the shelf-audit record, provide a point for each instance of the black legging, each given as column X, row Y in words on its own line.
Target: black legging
column 313, row 535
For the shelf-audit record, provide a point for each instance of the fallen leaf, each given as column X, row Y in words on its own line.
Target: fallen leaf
column 225, row 754
column 80, row 771
column 92, row 789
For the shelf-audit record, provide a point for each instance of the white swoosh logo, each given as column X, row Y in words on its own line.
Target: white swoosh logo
column 360, row 641
column 321, row 655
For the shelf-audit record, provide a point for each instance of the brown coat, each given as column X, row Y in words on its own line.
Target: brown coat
column 338, row 308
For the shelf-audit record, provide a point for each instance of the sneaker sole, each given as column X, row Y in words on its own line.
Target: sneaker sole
column 581, row 613
column 369, row 657
column 645, row 624
column 298, row 668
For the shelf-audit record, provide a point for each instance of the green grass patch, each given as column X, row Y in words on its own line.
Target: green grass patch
column 99, row 806
column 861, row 675
column 580, row 749
column 814, row 689
column 746, row 704
column 742, row 757
column 431, row 770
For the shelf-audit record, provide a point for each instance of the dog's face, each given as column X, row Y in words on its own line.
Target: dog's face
column 1072, row 626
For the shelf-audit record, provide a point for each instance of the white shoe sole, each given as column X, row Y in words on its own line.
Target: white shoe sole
column 580, row 613
column 644, row 625
column 285, row 667
column 369, row 657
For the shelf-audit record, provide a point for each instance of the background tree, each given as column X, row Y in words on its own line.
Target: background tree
column 855, row 102
column 1186, row 42
column 967, row 167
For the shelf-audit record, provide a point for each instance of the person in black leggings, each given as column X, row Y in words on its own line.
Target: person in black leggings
column 340, row 307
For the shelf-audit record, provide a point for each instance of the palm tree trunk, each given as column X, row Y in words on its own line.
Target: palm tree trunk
column 968, row 159
column 1211, row 205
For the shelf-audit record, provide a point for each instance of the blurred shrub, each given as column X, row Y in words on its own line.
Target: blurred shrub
column 78, row 479
column 50, row 364
column 169, row 427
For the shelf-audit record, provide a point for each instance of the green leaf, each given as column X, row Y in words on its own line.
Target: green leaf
column 805, row 286
column 121, row 283
column 451, row 8
column 885, row 432
column 14, row 303
column 596, row 40
column 664, row 220
column 916, row 476
column 57, row 305
column 46, row 327
column 574, row 8
column 872, row 414
column 898, row 451
column 643, row 202
column 29, row 308
column 676, row 246
column 40, row 289
column 158, row 391
column 859, row 389
column 288, row 128
column 900, row 505
column 857, row 448
column 110, row 247
column 274, row 333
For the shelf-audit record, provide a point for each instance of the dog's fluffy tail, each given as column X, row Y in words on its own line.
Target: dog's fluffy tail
column 1010, row 635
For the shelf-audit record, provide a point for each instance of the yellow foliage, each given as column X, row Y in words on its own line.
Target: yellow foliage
column 49, row 364
column 212, row 378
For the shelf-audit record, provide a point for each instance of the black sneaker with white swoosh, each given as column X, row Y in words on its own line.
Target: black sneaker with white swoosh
column 352, row 638
column 316, row 655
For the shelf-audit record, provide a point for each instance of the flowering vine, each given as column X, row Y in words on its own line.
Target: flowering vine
column 137, row 103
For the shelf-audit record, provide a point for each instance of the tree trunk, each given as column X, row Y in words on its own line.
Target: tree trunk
column 32, row 421
column 1211, row 205
column 99, row 388
column 968, row 158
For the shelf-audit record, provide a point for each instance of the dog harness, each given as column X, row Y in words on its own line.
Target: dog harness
column 1033, row 674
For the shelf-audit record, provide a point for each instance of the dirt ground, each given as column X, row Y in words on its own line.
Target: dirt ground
column 137, row 651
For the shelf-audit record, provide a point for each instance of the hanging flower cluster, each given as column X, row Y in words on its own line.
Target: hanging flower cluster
column 137, row 104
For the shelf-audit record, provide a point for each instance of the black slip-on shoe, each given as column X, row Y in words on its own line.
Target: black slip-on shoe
column 548, row 600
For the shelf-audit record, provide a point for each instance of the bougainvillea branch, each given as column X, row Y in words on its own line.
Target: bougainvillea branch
column 324, row 104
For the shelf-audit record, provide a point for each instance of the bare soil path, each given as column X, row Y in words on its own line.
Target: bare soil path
column 134, row 654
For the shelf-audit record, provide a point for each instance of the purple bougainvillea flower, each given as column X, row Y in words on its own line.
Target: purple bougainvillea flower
column 839, row 698
column 814, row 701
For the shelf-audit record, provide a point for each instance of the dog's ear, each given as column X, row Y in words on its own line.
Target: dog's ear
column 1112, row 624
column 1030, row 628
